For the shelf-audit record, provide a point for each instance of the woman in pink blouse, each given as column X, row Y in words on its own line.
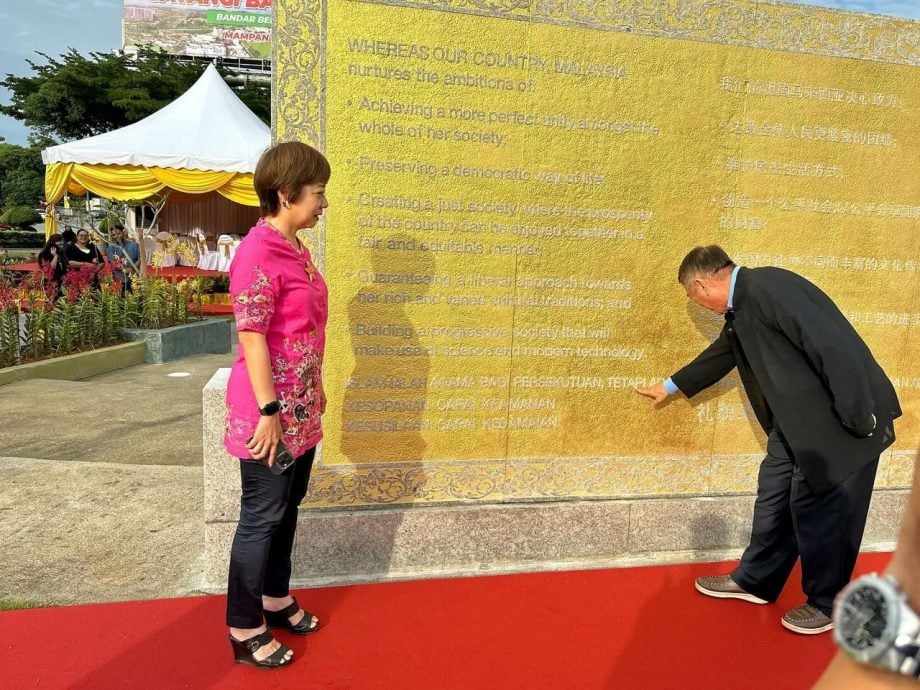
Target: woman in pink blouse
column 275, row 396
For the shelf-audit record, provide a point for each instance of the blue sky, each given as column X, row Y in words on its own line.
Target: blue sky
column 909, row 9
column 53, row 26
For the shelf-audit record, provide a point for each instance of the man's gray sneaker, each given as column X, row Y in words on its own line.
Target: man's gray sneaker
column 807, row 620
column 723, row 587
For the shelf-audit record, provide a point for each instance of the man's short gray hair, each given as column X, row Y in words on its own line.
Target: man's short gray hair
column 703, row 261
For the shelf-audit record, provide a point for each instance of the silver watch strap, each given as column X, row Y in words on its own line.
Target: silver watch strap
column 904, row 656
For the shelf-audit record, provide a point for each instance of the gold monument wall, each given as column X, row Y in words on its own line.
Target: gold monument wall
column 514, row 185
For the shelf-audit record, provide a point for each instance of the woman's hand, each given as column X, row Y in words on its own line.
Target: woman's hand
column 322, row 399
column 264, row 442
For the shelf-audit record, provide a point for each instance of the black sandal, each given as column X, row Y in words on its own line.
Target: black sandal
column 244, row 651
column 280, row 619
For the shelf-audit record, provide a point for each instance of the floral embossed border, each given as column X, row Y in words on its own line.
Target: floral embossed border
column 518, row 480
column 299, row 86
column 751, row 23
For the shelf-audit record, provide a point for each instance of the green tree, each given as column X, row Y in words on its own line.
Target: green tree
column 76, row 96
column 22, row 175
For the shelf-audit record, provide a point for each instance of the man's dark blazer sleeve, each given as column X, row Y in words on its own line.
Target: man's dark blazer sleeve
column 841, row 362
column 709, row 367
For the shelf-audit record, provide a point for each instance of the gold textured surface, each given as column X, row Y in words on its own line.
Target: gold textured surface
column 729, row 122
column 896, row 470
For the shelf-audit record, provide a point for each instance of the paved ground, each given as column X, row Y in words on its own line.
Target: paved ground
column 100, row 484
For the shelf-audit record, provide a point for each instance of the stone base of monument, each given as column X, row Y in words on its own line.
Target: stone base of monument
column 338, row 546
column 211, row 336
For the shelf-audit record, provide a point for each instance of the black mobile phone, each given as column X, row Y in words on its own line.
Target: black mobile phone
column 283, row 459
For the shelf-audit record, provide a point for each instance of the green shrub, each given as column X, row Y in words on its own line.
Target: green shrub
column 20, row 216
column 21, row 239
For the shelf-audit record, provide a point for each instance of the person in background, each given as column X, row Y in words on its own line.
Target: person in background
column 126, row 253
column 274, row 394
column 83, row 253
column 828, row 411
column 69, row 236
column 53, row 263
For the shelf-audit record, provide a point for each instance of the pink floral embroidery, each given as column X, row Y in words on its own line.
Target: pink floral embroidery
column 298, row 371
column 254, row 305
column 273, row 294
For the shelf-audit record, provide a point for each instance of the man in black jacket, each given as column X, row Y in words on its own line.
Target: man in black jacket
column 827, row 409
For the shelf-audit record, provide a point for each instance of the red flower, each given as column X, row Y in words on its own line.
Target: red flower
column 78, row 283
column 8, row 296
column 50, row 285
column 106, row 271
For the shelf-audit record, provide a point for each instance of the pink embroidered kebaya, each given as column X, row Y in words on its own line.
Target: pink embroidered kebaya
column 276, row 290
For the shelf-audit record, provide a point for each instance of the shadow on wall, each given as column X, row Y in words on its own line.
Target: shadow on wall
column 383, row 414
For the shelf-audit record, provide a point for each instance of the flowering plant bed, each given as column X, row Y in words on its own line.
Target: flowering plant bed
column 42, row 319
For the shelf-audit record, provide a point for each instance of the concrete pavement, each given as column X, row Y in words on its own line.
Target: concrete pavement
column 100, row 484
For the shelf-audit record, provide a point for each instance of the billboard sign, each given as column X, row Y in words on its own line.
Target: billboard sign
column 201, row 28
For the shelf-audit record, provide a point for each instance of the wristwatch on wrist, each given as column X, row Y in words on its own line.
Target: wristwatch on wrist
column 875, row 625
column 274, row 407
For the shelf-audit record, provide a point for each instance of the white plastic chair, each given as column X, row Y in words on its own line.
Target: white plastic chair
column 168, row 256
column 226, row 249
column 150, row 246
column 207, row 258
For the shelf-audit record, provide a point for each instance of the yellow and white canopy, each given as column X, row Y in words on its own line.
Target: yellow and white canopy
column 205, row 141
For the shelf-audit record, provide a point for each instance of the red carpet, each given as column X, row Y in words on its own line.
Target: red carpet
column 217, row 309
column 631, row 628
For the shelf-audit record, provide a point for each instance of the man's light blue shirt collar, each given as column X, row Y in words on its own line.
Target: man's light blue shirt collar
column 731, row 288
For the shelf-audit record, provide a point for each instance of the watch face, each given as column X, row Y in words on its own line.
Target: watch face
column 866, row 620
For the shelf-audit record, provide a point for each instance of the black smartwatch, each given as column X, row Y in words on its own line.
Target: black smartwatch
column 272, row 408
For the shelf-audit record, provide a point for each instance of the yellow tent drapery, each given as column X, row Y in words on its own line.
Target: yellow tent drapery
column 128, row 182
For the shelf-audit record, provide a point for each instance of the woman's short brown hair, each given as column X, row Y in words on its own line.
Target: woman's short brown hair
column 288, row 167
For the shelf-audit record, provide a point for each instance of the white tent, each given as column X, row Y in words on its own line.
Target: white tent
column 206, row 140
column 206, row 128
